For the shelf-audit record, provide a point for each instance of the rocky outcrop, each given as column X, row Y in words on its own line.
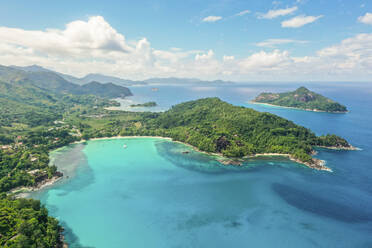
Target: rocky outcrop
column 222, row 143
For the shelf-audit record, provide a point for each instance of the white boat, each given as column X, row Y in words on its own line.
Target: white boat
column 125, row 146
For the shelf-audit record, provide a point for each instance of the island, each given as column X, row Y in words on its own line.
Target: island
column 146, row 104
column 302, row 98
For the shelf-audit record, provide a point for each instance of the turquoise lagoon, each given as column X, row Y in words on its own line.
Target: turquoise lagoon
column 150, row 194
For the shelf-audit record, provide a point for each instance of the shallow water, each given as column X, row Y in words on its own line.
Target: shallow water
column 152, row 195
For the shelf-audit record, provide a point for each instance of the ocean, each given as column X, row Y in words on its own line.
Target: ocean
column 151, row 194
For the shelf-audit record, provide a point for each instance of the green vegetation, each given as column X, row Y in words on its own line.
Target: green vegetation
column 25, row 223
column 301, row 98
column 332, row 141
column 146, row 104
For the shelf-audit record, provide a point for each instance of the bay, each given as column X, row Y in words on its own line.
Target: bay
column 153, row 195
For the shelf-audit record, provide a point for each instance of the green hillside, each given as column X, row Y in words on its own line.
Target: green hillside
column 54, row 83
column 23, row 103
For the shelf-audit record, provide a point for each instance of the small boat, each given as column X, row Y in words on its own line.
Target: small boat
column 125, row 146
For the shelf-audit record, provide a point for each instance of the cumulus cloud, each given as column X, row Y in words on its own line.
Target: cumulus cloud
column 271, row 14
column 93, row 46
column 366, row 19
column 299, row 21
column 263, row 61
column 77, row 37
column 211, row 18
column 274, row 42
column 352, row 53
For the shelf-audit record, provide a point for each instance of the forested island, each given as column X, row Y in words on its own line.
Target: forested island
column 302, row 98
column 146, row 104
column 35, row 120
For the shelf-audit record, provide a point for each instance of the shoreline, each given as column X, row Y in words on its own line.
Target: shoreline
column 317, row 163
column 22, row 192
column 121, row 137
column 337, row 148
column 310, row 110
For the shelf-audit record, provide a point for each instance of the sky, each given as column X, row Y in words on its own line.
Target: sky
column 237, row 40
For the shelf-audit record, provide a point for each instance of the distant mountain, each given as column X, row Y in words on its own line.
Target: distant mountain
column 301, row 98
column 107, row 90
column 31, row 68
column 109, row 79
column 55, row 83
column 37, row 68
column 180, row 81
column 93, row 77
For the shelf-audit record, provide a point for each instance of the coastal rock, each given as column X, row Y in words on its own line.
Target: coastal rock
column 231, row 162
column 315, row 163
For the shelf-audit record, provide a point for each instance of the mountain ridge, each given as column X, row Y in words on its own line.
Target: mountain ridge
column 49, row 80
column 120, row 81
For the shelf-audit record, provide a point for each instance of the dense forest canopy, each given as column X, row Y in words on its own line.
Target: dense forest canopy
column 25, row 223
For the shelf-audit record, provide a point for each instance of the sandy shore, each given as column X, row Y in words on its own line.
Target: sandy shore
column 122, row 137
column 22, row 192
column 311, row 110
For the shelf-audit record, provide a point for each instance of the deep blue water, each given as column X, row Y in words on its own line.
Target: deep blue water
column 152, row 195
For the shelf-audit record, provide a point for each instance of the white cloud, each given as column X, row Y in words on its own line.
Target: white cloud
column 263, row 61
column 299, row 21
column 271, row 14
column 274, row 42
column 244, row 12
column 211, row 18
column 78, row 37
column 93, row 46
column 228, row 58
column 366, row 19
column 204, row 56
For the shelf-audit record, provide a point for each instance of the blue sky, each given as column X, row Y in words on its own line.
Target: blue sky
column 206, row 39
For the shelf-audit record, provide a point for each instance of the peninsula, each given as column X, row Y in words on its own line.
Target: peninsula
column 302, row 98
column 214, row 126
